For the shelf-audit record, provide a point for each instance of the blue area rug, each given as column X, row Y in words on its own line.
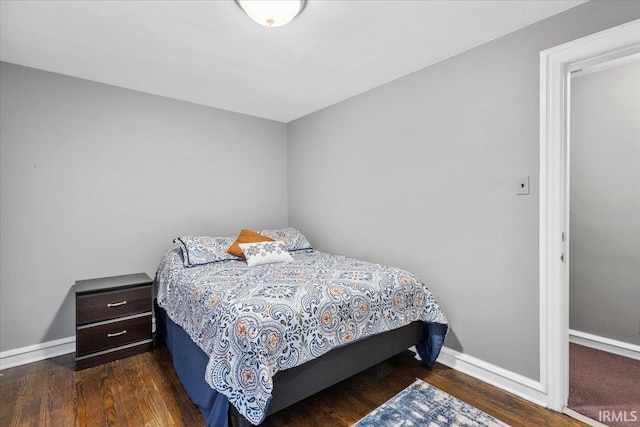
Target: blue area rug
column 422, row 404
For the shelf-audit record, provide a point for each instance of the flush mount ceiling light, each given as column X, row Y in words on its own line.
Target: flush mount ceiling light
column 272, row 13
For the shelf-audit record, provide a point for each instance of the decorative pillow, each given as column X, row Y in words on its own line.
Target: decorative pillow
column 292, row 239
column 265, row 253
column 204, row 249
column 246, row 236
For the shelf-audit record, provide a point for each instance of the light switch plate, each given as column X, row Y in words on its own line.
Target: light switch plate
column 523, row 185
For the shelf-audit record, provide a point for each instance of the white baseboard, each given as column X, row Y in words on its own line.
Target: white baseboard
column 620, row 348
column 578, row 416
column 504, row 379
column 37, row 352
column 42, row 351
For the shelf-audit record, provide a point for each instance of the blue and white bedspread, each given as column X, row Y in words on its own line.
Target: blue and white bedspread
column 255, row 321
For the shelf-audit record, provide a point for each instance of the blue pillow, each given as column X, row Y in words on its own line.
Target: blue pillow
column 292, row 239
column 198, row 250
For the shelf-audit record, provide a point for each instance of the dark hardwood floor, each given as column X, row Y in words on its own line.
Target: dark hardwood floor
column 143, row 390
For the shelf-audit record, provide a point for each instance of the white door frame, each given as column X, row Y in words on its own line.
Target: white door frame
column 555, row 66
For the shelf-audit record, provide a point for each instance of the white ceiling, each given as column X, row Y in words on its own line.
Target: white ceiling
column 211, row 53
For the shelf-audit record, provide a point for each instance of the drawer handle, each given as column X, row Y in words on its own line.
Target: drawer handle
column 116, row 304
column 117, row 334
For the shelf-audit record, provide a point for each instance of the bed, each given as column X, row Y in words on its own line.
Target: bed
column 247, row 341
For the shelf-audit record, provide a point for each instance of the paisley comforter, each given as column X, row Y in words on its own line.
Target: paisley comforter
column 255, row 321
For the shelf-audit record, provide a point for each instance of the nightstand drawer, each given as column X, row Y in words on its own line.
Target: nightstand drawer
column 108, row 335
column 113, row 304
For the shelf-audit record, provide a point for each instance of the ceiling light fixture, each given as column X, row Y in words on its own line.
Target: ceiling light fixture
column 272, row 13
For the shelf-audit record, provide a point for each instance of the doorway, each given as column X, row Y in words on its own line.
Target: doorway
column 555, row 67
column 604, row 225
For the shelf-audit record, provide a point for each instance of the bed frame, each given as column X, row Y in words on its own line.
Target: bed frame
column 295, row 384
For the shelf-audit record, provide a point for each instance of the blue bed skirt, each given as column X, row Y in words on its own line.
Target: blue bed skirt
column 190, row 363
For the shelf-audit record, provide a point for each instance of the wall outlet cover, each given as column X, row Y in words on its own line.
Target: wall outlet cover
column 522, row 185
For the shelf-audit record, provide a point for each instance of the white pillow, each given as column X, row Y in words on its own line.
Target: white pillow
column 265, row 253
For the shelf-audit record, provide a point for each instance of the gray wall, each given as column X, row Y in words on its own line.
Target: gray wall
column 98, row 180
column 605, row 203
column 421, row 173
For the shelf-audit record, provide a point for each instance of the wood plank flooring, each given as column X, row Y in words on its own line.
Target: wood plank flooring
column 143, row 390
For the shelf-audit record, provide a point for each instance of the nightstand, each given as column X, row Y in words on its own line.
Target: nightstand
column 113, row 318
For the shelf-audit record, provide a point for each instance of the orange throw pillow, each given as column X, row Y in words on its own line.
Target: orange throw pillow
column 246, row 236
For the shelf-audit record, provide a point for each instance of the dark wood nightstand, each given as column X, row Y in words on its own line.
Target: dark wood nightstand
column 113, row 318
